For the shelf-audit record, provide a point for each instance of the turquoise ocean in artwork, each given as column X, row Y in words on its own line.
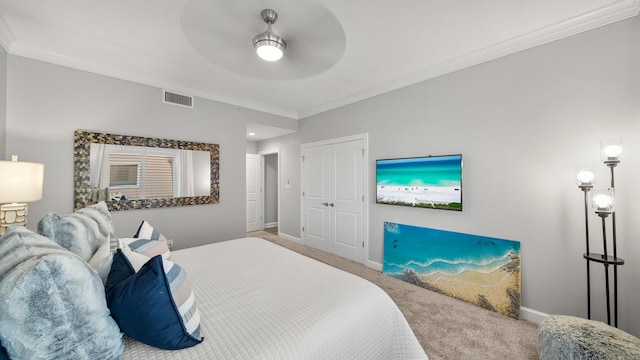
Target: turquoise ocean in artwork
column 427, row 251
column 430, row 171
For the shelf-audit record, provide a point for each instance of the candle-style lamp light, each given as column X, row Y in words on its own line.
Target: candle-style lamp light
column 603, row 201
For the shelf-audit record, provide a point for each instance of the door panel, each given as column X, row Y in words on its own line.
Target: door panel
column 345, row 168
column 315, row 162
column 254, row 210
column 345, row 230
column 316, row 172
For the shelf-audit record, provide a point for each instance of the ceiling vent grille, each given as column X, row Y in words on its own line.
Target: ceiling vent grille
column 177, row 99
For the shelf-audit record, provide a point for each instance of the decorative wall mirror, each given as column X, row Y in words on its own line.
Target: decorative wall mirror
column 132, row 172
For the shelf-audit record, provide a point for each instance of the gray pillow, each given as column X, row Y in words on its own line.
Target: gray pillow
column 52, row 304
column 81, row 232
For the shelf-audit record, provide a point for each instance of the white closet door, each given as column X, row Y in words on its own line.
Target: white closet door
column 333, row 198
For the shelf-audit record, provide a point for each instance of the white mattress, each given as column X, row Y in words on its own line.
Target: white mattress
column 258, row 300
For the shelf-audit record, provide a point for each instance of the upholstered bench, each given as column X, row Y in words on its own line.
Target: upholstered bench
column 572, row 338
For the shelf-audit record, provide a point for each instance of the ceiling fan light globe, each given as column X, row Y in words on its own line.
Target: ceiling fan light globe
column 269, row 50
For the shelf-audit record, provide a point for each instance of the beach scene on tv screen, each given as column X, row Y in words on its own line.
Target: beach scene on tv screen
column 430, row 182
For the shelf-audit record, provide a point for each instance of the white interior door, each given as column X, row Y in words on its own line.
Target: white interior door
column 348, row 200
column 333, row 198
column 316, row 172
column 254, row 209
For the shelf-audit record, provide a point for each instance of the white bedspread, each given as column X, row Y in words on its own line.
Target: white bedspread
column 258, row 300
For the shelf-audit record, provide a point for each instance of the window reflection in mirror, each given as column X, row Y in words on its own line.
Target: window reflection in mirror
column 138, row 172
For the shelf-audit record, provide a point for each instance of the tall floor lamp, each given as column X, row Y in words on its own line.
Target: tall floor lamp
column 20, row 182
column 603, row 200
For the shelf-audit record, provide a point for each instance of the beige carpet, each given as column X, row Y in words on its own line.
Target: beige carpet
column 446, row 328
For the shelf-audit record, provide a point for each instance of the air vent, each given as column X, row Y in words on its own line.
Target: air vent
column 177, row 99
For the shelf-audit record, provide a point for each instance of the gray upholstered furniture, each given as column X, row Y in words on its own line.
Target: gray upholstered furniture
column 572, row 338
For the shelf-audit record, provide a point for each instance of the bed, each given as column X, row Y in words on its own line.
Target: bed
column 258, row 300
column 71, row 290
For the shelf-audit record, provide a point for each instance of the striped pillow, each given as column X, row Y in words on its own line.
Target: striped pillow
column 153, row 302
column 159, row 245
column 146, row 231
column 149, row 248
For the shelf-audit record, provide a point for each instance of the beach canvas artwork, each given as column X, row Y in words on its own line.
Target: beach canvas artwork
column 480, row 270
column 429, row 182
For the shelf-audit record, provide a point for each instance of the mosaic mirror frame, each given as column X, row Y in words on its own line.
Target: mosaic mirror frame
column 82, row 141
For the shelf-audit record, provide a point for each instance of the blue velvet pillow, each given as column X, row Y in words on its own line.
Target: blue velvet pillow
column 154, row 305
column 3, row 353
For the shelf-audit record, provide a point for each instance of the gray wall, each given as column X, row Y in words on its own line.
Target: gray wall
column 3, row 101
column 46, row 103
column 271, row 188
column 289, row 190
column 523, row 124
column 252, row 147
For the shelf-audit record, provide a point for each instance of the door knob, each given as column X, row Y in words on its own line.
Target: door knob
column 331, row 204
column 325, row 204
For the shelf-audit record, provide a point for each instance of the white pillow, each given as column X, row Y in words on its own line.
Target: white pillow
column 102, row 259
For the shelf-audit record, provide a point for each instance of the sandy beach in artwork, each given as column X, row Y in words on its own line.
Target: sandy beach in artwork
column 419, row 195
column 470, row 286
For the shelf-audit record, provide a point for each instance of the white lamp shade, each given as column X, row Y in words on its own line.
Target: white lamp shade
column 585, row 175
column 20, row 181
column 603, row 200
column 611, row 149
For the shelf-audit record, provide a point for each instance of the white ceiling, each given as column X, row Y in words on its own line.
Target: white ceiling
column 339, row 51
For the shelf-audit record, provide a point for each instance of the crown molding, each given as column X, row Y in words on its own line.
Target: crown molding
column 604, row 16
column 19, row 49
column 7, row 39
column 620, row 10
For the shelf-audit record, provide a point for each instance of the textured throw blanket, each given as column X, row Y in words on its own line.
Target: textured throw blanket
column 52, row 304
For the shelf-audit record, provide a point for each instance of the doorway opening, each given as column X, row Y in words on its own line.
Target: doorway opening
column 263, row 195
column 270, row 179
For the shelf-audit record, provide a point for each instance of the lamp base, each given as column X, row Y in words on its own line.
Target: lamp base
column 13, row 214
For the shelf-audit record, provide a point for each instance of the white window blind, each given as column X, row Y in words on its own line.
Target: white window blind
column 139, row 176
column 159, row 176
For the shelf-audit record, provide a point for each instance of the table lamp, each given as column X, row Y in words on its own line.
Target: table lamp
column 20, row 182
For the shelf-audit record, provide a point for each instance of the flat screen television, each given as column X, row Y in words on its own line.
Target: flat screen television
column 428, row 182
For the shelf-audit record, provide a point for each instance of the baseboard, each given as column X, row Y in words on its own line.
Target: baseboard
column 374, row 265
column 532, row 315
column 289, row 237
column 270, row 225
